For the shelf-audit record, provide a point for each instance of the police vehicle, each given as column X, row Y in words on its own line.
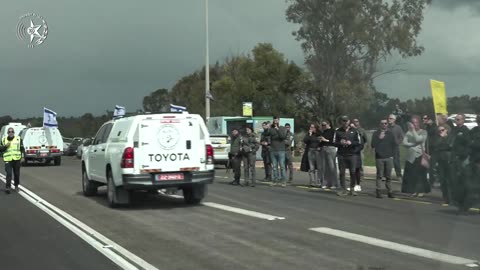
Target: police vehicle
column 42, row 144
column 149, row 152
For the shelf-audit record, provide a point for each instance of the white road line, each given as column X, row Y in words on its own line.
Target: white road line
column 113, row 251
column 230, row 208
column 241, row 211
column 398, row 247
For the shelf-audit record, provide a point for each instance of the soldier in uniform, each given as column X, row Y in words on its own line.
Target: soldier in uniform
column 289, row 156
column 460, row 152
column 265, row 142
column 249, row 154
column 236, row 155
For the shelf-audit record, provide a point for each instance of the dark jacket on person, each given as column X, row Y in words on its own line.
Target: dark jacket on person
column 397, row 133
column 265, row 138
column 277, row 138
column 328, row 134
column 432, row 136
column 311, row 141
column 461, row 142
column 363, row 135
column 475, row 144
column 249, row 143
column 384, row 148
column 443, row 147
column 235, row 145
column 351, row 135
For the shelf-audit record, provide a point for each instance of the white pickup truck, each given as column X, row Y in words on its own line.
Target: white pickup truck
column 149, row 152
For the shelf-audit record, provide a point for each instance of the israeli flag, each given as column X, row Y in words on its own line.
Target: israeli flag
column 176, row 108
column 119, row 111
column 49, row 118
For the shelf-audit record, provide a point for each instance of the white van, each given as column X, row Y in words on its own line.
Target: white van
column 149, row 152
column 42, row 144
column 16, row 126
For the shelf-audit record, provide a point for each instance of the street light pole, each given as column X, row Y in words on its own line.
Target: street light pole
column 207, row 67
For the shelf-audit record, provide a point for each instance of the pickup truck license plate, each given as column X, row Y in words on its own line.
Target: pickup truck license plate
column 169, row 177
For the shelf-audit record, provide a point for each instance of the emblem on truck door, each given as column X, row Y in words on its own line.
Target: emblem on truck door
column 168, row 136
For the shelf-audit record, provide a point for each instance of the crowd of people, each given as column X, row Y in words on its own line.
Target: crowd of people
column 437, row 153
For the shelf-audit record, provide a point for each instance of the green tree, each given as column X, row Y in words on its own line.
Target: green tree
column 158, row 100
column 345, row 40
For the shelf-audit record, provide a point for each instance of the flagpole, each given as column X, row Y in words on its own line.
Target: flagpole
column 207, row 67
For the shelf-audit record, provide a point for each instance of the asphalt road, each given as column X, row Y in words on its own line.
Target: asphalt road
column 167, row 234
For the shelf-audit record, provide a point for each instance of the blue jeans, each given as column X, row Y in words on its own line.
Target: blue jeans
column 278, row 159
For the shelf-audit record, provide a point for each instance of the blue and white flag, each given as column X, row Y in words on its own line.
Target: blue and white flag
column 119, row 111
column 49, row 118
column 176, row 108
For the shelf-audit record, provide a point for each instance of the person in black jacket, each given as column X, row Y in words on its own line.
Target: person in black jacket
column 265, row 142
column 313, row 148
column 384, row 144
column 349, row 146
column 329, row 155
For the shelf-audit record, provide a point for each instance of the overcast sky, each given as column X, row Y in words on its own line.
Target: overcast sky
column 101, row 53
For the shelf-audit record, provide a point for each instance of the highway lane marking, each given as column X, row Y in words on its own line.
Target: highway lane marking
column 242, row 211
column 113, row 251
column 446, row 258
column 231, row 209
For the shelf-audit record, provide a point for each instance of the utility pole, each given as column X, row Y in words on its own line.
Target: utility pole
column 207, row 67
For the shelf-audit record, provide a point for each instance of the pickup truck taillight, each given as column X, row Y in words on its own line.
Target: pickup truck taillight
column 209, row 154
column 127, row 158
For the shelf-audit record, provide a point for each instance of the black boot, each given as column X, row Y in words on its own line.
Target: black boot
column 390, row 195
column 379, row 195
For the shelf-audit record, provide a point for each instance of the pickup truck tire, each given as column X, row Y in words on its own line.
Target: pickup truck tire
column 89, row 187
column 194, row 194
column 116, row 196
column 57, row 161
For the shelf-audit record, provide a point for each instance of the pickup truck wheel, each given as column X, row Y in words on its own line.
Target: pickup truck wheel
column 89, row 187
column 116, row 196
column 194, row 194
column 57, row 161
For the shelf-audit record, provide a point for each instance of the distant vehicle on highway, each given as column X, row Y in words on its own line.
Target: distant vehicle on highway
column 73, row 146
column 221, row 148
column 80, row 147
column 42, row 145
column 148, row 152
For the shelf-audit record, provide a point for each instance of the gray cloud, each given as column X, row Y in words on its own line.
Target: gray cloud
column 99, row 54
column 454, row 4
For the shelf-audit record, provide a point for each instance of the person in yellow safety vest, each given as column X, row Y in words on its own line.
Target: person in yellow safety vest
column 13, row 156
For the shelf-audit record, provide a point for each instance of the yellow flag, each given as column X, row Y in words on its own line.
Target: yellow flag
column 439, row 96
column 247, row 109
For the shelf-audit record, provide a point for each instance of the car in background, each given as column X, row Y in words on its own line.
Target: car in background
column 85, row 141
column 221, row 148
column 470, row 120
column 72, row 148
